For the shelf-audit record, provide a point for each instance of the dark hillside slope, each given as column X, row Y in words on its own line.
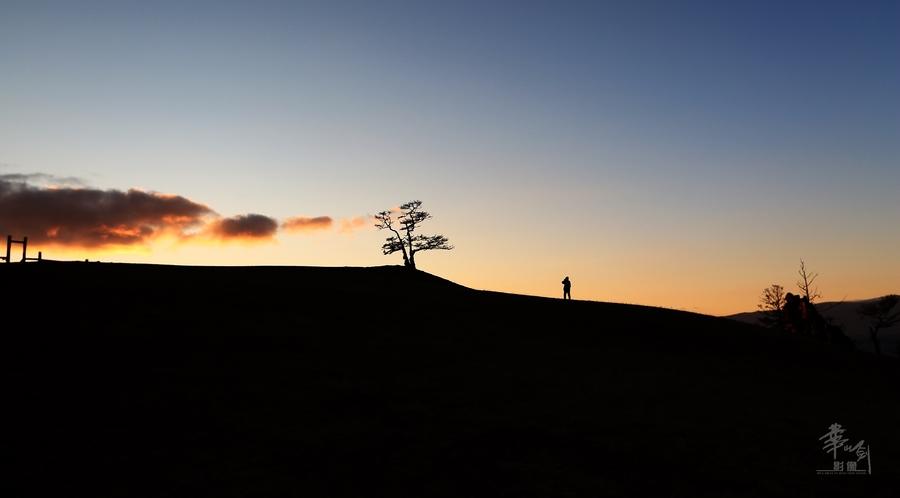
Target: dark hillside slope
column 141, row 380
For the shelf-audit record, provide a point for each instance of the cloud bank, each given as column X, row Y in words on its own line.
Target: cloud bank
column 61, row 211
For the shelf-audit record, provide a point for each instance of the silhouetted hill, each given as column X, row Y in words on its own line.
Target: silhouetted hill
column 142, row 380
column 844, row 314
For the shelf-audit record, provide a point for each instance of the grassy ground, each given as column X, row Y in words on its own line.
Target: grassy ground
column 137, row 380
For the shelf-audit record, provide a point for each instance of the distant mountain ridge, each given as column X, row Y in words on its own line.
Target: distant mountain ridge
column 844, row 314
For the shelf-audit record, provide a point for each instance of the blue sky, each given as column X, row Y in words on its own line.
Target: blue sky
column 563, row 136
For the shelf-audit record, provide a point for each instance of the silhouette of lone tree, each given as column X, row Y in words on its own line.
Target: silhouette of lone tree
column 403, row 238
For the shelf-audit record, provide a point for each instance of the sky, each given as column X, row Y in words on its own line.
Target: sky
column 677, row 154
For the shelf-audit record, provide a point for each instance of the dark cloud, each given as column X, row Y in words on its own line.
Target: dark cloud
column 90, row 217
column 245, row 226
column 303, row 224
column 43, row 179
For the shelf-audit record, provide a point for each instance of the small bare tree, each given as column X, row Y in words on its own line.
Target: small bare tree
column 807, row 278
column 881, row 316
column 771, row 304
column 403, row 238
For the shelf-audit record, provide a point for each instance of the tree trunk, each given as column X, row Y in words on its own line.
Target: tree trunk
column 873, row 333
column 412, row 260
column 402, row 248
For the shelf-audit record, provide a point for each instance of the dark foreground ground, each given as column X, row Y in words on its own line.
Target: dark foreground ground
column 134, row 380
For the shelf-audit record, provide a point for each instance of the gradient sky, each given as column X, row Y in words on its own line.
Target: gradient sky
column 681, row 154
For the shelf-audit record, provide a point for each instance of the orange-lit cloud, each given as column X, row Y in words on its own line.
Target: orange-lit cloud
column 246, row 227
column 356, row 223
column 88, row 217
column 306, row 224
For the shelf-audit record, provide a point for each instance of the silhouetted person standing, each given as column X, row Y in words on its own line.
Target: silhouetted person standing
column 567, row 288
